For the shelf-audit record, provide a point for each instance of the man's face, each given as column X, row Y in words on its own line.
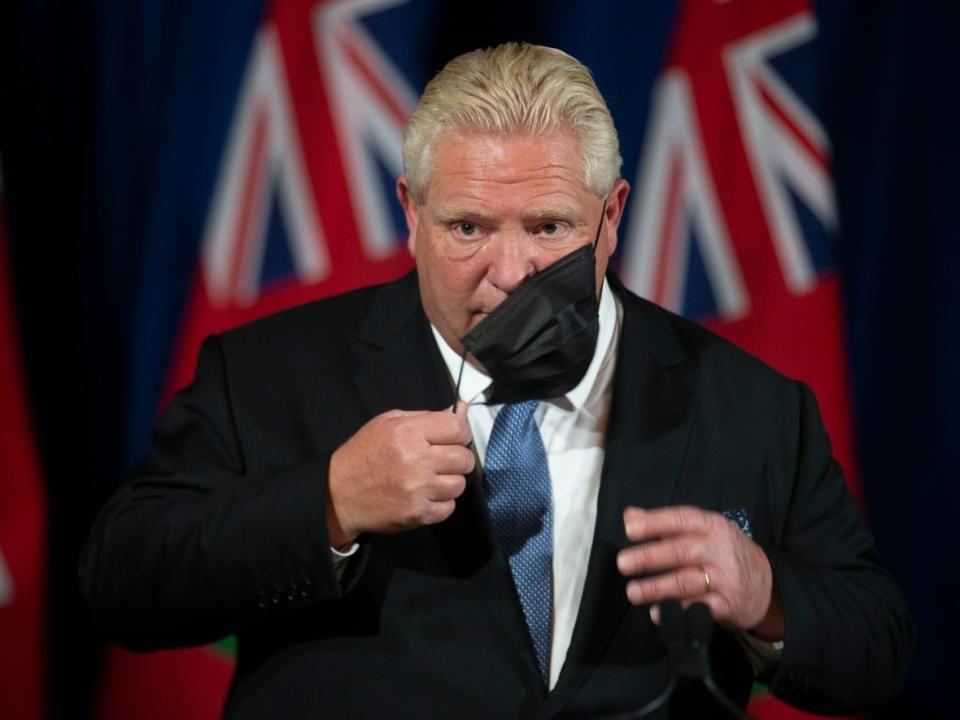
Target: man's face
column 497, row 210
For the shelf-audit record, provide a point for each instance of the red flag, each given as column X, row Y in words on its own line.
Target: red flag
column 22, row 564
column 735, row 205
column 314, row 91
column 186, row 684
column 319, row 102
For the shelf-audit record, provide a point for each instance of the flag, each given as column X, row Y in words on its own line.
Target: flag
column 301, row 207
column 734, row 212
column 303, row 204
column 22, row 519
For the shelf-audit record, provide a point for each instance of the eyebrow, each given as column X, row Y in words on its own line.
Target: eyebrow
column 450, row 214
column 555, row 212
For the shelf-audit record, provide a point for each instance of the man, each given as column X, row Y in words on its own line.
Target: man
column 381, row 549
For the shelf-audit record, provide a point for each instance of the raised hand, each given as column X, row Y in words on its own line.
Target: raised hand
column 399, row 471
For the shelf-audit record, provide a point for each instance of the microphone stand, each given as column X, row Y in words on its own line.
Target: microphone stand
column 686, row 635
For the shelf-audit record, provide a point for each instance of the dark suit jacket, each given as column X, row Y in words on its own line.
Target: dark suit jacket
column 222, row 530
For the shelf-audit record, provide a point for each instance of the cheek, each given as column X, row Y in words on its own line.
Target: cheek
column 456, row 274
column 460, row 283
column 452, row 282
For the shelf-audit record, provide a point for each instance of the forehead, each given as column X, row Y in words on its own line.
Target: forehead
column 483, row 168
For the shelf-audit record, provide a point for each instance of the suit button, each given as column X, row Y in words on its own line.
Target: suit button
column 305, row 589
column 262, row 601
column 275, row 600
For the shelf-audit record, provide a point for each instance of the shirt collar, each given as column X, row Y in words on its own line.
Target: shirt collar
column 474, row 382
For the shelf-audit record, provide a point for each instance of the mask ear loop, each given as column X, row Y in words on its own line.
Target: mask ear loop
column 596, row 241
column 456, row 390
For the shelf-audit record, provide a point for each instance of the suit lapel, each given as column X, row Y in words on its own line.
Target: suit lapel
column 651, row 414
column 400, row 367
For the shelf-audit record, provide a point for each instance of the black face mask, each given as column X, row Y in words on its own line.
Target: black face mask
column 538, row 343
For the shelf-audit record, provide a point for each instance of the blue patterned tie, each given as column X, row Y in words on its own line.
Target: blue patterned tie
column 517, row 482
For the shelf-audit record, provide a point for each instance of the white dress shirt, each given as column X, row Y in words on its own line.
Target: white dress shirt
column 573, row 429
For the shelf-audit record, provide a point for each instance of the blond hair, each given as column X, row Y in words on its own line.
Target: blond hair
column 514, row 88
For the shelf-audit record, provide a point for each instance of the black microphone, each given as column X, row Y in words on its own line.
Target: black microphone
column 699, row 623
column 686, row 660
column 673, row 626
column 700, row 630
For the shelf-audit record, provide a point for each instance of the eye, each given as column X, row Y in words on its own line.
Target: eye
column 550, row 228
column 467, row 229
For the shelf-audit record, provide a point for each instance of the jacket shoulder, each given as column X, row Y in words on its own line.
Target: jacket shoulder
column 719, row 362
column 340, row 315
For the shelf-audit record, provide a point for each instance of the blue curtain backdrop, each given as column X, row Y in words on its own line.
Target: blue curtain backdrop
column 113, row 112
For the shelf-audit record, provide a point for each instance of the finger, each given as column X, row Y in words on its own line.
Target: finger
column 446, row 487
column 444, row 428
column 642, row 524
column 655, row 614
column 437, row 512
column 657, row 556
column 679, row 584
column 452, row 459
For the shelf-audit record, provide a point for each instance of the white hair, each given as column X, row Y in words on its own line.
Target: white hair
column 511, row 89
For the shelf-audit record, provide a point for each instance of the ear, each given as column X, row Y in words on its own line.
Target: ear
column 616, row 204
column 410, row 211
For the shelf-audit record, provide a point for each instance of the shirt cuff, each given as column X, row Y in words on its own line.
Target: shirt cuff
column 763, row 655
column 340, row 558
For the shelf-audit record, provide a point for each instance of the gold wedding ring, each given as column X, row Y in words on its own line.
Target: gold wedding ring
column 706, row 580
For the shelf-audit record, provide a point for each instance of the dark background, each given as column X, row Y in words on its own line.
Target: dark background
column 891, row 108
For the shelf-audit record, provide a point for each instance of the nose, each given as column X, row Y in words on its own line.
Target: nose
column 512, row 259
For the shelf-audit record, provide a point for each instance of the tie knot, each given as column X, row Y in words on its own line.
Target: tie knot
column 517, row 414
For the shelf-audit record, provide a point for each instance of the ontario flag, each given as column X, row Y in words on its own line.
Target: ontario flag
column 734, row 207
column 730, row 222
column 22, row 520
column 302, row 208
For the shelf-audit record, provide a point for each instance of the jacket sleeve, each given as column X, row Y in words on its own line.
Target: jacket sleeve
column 194, row 548
column 848, row 632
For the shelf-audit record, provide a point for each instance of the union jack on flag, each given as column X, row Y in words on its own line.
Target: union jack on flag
column 693, row 190
column 734, row 208
column 304, row 201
